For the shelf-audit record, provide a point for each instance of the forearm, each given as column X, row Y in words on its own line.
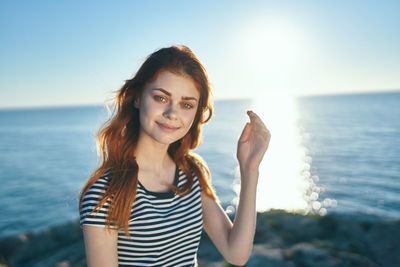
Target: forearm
column 241, row 235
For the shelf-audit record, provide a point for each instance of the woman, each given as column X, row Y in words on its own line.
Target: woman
column 147, row 203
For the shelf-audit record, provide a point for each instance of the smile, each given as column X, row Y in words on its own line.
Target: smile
column 167, row 127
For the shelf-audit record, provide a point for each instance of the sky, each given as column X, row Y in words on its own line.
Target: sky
column 56, row 53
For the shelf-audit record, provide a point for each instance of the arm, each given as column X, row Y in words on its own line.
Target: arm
column 235, row 241
column 101, row 246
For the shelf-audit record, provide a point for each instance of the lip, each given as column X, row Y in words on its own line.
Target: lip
column 167, row 127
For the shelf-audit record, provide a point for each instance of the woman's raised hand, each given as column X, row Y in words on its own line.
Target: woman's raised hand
column 252, row 144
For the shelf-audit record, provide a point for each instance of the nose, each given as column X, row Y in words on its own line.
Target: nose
column 171, row 111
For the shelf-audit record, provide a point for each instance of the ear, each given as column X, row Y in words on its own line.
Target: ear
column 136, row 103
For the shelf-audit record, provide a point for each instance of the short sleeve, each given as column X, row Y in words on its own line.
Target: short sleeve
column 90, row 200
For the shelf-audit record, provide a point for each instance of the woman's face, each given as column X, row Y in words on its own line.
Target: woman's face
column 167, row 107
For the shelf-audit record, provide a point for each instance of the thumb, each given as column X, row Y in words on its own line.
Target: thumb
column 245, row 133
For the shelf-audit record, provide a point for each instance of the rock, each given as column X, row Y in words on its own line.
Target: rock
column 281, row 239
column 301, row 249
column 208, row 251
column 59, row 245
column 262, row 261
column 348, row 259
column 10, row 246
column 305, row 254
column 383, row 240
column 263, row 256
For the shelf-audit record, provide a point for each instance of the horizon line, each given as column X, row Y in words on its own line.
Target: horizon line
column 79, row 105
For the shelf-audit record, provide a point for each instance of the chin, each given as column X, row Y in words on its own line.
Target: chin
column 168, row 141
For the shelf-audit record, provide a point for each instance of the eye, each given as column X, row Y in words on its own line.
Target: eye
column 160, row 98
column 187, row 105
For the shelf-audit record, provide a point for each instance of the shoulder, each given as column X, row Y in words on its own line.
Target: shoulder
column 95, row 193
column 98, row 188
column 88, row 212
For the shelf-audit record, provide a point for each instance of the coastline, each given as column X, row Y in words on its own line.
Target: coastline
column 281, row 239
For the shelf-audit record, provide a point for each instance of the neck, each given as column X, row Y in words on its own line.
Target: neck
column 151, row 154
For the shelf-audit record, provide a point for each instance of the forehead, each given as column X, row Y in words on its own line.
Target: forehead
column 176, row 84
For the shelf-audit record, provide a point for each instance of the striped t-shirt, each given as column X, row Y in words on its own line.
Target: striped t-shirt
column 164, row 228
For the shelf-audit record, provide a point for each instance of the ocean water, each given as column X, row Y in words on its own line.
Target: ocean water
column 350, row 149
column 354, row 143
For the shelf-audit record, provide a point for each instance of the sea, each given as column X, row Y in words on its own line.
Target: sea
column 336, row 154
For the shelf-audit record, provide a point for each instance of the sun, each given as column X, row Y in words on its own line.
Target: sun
column 273, row 51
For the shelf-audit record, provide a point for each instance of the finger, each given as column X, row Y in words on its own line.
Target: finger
column 259, row 126
column 245, row 133
column 255, row 119
column 251, row 117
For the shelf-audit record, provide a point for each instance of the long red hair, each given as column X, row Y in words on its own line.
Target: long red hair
column 117, row 138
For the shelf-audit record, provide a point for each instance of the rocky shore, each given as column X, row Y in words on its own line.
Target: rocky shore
column 281, row 239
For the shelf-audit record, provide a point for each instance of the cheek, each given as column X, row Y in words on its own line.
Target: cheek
column 148, row 109
column 189, row 118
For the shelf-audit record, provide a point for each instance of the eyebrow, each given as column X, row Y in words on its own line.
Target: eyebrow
column 169, row 94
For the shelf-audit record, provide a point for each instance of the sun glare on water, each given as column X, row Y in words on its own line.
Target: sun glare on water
column 285, row 181
column 273, row 61
column 273, row 52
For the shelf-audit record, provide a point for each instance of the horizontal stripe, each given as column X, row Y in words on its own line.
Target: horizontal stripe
column 140, row 226
column 167, row 239
column 164, row 244
column 190, row 237
column 141, row 194
column 142, row 212
column 163, row 231
column 161, row 250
